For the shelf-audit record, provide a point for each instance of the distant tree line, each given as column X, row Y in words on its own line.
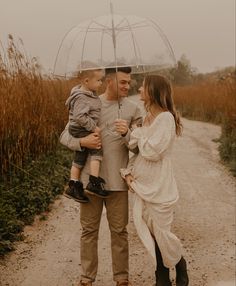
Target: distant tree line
column 184, row 74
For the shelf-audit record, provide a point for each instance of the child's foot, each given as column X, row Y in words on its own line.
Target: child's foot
column 96, row 187
column 76, row 191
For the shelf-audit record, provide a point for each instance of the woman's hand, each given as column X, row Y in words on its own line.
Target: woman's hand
column 129, row 179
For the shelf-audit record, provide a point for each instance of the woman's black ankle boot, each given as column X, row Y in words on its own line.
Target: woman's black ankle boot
column 181, row 273
column 162, row 277
column 162, row 272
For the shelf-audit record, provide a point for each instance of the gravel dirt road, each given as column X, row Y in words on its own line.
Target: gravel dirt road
column 204, row 221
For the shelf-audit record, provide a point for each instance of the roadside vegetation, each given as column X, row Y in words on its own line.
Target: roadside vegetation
column 213, row 101
column 211, row 98
column 34, row 166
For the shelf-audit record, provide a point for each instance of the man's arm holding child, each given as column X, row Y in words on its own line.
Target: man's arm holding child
column 91, row 141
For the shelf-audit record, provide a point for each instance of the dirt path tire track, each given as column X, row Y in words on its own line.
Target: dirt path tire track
column 204, row 221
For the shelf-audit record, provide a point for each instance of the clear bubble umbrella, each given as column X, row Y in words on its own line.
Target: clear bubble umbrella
column 113, row 41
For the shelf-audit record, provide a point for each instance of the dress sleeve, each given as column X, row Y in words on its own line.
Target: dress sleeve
column 155, row 139
column 128, row 170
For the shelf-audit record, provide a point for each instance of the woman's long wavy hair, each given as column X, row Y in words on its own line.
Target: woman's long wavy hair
column 160, row 92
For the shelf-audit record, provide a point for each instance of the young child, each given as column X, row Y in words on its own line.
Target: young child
column 84, row 112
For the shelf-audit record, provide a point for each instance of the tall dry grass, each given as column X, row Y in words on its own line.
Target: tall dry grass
column 32, row 115
column 213, row 101
column 32, row 111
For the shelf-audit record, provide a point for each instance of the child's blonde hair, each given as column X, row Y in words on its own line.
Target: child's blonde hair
column 87, row 73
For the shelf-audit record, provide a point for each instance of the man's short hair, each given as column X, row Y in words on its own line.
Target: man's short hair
column 113, row 70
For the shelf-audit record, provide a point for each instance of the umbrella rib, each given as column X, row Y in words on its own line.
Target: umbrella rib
column 85, row 36
column 121, row 28
column 133, row 40
column 101, row 59
column 118, row 24
column 105, row 28
column 58, row 52
column 118, row 27
column 80, row 31
column 135, row 25
column 165, row 39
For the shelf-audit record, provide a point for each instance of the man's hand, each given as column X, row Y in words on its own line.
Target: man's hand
column 121, row 126
column 91, row 141
column 129, row 179
column 97, row 130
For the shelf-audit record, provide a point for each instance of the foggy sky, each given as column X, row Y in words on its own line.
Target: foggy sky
column 203, row 30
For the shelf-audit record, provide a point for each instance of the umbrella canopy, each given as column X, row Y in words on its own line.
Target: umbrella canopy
column 112, row 41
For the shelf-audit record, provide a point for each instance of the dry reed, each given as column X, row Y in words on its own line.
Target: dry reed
column 32, row 111
column 212, row 100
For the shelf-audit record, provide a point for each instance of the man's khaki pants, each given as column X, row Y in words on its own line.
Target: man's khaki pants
column 117, row 215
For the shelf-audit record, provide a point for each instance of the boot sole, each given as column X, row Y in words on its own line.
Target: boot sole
column 94, row 194
column 72, row 198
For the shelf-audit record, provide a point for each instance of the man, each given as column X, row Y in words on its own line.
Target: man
column 114, row 137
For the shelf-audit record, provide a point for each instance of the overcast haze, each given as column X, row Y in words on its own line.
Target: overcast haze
column 203, row 30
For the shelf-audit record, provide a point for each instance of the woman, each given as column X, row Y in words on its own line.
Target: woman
column 151, row 177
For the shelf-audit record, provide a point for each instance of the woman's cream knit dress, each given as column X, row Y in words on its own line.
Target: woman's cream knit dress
column 155, row 187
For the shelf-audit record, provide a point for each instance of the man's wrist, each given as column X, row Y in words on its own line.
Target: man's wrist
column 124, row 134
column 81, row 142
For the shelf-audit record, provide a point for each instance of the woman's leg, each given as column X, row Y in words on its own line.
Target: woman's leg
column 181, row 273
column 162, row 272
